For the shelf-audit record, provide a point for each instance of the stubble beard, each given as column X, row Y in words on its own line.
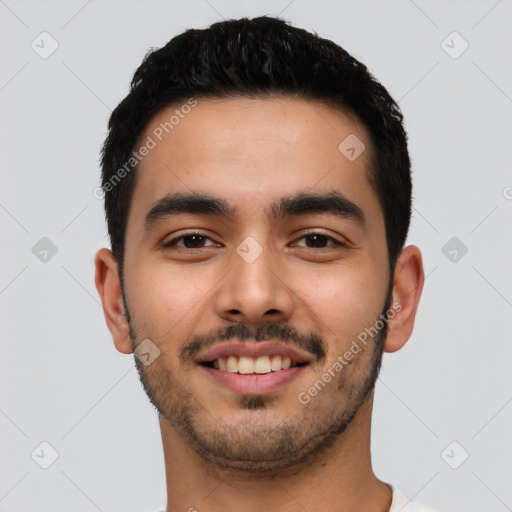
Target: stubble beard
column 254, row 446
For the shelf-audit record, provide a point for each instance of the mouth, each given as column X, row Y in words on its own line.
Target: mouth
column 253, row 368
column 245, row 365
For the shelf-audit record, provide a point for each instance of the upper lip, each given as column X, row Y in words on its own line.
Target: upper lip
column 253, row 349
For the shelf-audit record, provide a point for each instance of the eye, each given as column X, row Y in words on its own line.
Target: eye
column 319, row 241
column 199, row 241
column 190, row 241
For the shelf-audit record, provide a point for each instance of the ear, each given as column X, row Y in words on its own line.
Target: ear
column 108, row 285
column 407, row 286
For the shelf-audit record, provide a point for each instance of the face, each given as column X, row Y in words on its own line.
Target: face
column 255, row 259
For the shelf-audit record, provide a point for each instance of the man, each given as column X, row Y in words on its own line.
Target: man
column 258, row 196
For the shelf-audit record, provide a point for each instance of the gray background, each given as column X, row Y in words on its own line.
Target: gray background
column 61, row 379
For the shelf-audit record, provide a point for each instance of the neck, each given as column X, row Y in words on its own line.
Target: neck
column 341, row 479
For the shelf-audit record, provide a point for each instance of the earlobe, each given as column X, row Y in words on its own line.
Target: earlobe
column 108, row 285
column 407, row 288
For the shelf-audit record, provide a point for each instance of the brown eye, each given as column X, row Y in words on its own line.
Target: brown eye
column 192, row 241
column 319, row 241
column 316, row 240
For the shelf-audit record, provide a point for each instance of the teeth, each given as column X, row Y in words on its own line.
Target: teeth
column 232, row 365
column 248, row 365
column 275, row 363
column 262, row 365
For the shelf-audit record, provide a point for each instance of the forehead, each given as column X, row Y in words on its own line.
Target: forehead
column 252, row 151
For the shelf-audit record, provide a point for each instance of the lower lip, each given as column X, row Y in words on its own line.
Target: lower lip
column 253, row 384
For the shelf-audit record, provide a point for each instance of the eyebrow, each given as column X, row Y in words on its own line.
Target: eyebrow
column 302, row 203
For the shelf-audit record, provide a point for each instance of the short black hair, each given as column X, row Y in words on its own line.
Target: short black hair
column 258, row 57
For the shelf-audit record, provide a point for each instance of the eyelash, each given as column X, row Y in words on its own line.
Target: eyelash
column 170, row 243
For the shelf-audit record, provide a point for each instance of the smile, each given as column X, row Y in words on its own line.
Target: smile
column 253, row 368
column 250, row 365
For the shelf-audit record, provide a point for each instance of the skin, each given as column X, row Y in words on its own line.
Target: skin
column 224, row 451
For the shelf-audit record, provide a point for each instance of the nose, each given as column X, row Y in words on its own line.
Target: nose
column 255, row 290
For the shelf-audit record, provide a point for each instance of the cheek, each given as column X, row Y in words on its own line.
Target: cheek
column 342, row 300
column 163, row 298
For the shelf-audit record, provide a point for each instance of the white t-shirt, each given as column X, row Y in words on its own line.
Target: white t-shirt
column 399, row 504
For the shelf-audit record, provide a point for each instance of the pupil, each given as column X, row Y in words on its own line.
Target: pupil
column 317, row 240
column 192, row 241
